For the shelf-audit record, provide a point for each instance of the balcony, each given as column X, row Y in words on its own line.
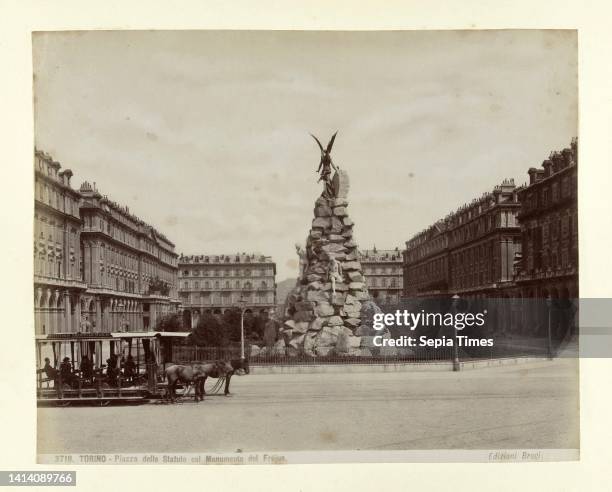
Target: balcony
column 59, row 282
column 225, row 289
column 540, row 274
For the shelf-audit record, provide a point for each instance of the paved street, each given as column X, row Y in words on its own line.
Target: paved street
column 525, row 406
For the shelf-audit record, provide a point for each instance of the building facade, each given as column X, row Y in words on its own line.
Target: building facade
column 549, row 231
column 383, row 272
column 98, row 268
column 129, row 267
column 426, row 262
column 215, row 283
column 549, row 227
column 58, row 285
column 484, row 242
column 516, row 247
column 471, row 252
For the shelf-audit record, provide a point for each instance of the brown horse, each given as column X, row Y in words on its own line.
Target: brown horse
column 230, row 368
column 194, row 374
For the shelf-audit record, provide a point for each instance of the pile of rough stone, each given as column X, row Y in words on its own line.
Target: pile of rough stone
column 318, row 322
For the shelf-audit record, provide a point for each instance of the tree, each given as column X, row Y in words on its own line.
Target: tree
column 209, row 332
column 158, row 286
column 231, row 324
column 259, row 326
column 169, row 322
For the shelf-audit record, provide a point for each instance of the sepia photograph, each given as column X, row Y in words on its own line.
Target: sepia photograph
column 283, row 246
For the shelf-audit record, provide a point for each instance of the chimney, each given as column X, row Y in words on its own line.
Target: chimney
column 567, row 157
column 532, row 175
column 558, row 162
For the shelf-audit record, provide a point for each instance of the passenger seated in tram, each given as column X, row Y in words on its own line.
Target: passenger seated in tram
column 50, row 371
column 111, row 370
column 86, row 368
column 66, row 371
column 129, row 368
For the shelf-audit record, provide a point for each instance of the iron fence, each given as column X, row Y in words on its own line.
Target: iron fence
column 535, row 347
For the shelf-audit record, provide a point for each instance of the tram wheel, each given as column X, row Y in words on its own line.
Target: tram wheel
column 104, row 403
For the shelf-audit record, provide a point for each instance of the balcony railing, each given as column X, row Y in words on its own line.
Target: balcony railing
column 59, row 282
column 548, row 273
column 226, row 289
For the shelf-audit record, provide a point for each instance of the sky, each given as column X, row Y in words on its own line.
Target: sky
column 205, row 134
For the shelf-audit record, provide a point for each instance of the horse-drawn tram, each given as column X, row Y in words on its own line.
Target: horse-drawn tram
column 100, row 368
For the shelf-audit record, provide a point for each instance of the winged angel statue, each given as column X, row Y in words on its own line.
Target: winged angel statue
column 326, row 165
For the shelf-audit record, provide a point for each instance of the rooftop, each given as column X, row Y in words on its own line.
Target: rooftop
column 502, row 193
column 375, row 254
column 225, row 258
column 89, row 189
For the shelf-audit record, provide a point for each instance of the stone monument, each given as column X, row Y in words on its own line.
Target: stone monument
column 323, row 313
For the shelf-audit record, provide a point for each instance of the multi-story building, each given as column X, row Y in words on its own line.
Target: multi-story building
column 426, row 262
column 97, row 268
column 549, row 232
column 129, row 267
column 215, row 283
column 383, row 272
column 470, row 252
column 483, row 241
column 517, row 246
column 58, row 285
column 549, row 226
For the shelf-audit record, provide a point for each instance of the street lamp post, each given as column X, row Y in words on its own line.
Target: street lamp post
column 455, row 306
column 242, row 302
column 549, row 306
